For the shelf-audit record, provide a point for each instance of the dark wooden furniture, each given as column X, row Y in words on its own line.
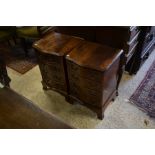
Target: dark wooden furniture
column 17, row 112
column 4, row 78
column 94, row 72
column 145, row 47
column 86, row 32
column 125, row 38
column 122, row 37
column 51, row 50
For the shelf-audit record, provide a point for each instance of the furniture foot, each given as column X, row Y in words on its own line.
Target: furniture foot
column 100, row 115
column 113, row 99
column 117, row 93
column 114, row 96
column 44, row 85
column 68, row 99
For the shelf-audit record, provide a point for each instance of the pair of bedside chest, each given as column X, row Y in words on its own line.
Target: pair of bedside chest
column 82, row 71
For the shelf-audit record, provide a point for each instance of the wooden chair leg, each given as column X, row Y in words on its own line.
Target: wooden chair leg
column 14, row 39
column 9, row 43
column 23, row 42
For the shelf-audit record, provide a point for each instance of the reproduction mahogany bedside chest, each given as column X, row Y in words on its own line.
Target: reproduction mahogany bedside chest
column 51, row 50
column 94, row 72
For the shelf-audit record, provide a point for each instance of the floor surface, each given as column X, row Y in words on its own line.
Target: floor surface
column 119, row 114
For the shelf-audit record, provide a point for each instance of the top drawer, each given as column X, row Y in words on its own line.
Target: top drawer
column 130, row 44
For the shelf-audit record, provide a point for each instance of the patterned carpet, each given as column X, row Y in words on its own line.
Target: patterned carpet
column 144, row 96
column 15, row 58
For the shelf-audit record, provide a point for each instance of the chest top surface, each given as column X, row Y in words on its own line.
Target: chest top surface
column 94, row 56
column 56, row 44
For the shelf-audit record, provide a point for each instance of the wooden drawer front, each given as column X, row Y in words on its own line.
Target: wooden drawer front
column 52, row 71
column 131, row 52
column 133, row 31
column 128, row 47
column 47, row 58
column 80, row 76
column 145, row 57
column 50, row 76
column 83, row 72
column 86, row 95
column 84, row 87
column 148, row 49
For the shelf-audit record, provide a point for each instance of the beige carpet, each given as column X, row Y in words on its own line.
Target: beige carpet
column 119, row 114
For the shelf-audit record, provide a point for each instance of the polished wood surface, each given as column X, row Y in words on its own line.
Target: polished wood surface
column 50, row 51
column 93, row 55
column 56, row 44
column 136, row 41
column 122, row 37
column 17, row 112
column 94, row 72
column 84, row 71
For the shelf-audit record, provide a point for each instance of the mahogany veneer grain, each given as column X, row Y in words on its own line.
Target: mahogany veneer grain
column 51, row 50
column 94, row 72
